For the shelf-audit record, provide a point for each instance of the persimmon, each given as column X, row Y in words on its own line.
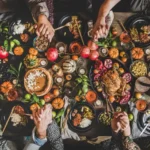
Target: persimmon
column 75, row 57
column 34, row 107
column 33, row 51
column 18, row 51
column 91, row 96
column 111, row 99
column 56, row 92
column 141, row 105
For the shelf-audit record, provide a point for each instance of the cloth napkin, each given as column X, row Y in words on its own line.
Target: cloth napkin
column 66, row 133
column 135, row 129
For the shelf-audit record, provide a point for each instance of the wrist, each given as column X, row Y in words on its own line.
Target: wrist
column 127, row 132
column 42, row 17
column 41, row 134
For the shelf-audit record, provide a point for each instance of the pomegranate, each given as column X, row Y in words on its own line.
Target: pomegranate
column 92, row 45
column 85, row 52
column 93, row 55
column 52, row 54
column 127, row 77
column 3, row 53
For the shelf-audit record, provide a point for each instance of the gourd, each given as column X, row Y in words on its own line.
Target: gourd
column 113, row 52
column 137, row 53
column 69, row 66
column 5, row 87
column 30, row 61
column 58, row 103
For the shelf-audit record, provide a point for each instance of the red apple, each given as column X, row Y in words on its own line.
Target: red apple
column 85, row 52
column 92, row 45
column 94, row 55
column 52, row 54
column 3, row 53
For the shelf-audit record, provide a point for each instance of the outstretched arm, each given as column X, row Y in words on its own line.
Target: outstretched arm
column 40, row 14
column 101, row 28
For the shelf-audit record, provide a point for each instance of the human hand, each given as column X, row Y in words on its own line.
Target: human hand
column 44, row 27
column 100, row 28
column 125, row 124
column 42, row 118
column 115, row 124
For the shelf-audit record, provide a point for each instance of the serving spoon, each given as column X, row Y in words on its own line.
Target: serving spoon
column 148, row 123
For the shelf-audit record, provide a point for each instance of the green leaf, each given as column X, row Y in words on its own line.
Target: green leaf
column 1, row 97
column 13, row 68
column 12, row 72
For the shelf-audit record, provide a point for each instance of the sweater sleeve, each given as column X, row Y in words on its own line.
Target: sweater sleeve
column 38, row 7
column 54, row 137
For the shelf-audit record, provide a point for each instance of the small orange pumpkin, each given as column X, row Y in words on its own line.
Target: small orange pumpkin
column 58, row 103
column 113, row 52
column 18, row 50
column 5, row 87
column 33, row 51
column 137, row 53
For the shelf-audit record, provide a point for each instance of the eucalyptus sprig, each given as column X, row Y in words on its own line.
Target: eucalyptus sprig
column 15, row 72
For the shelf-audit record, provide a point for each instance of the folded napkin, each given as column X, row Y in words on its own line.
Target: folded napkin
column 66, row 133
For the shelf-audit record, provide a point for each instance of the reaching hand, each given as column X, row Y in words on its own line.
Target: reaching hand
column 115, row 124
column 44, row 27
column 42, row 118
column 121, row 122
column 102, row 26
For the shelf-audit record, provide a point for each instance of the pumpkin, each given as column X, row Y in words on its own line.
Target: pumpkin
column 34, row 107
column 5, row 87
column 137, row 53
column 18, row 50
column 33, row 51
column 69, row 66
column 113, row 52
column 30, row 61
column 58, row 103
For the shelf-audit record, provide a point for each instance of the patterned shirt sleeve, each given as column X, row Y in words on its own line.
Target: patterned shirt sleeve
column 54, row 137
column 129, row 144
column 38, row 7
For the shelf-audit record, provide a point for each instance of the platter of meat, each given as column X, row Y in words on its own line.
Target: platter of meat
column 139, row 30
column 111, row 80
column 81, row 117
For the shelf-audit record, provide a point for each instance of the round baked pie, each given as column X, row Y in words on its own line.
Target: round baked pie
column 38, row 81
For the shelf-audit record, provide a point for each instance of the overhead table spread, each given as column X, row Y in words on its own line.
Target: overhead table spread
column 85, row 83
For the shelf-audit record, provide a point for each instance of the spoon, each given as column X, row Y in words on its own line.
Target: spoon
column 66, row 25
column 148, row 123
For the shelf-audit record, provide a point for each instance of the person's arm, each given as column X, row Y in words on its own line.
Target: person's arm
column 106, row 7
column 40, row 14
column 101, row 27
column 54, row 137
column 38, row 8
column 127, row 141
